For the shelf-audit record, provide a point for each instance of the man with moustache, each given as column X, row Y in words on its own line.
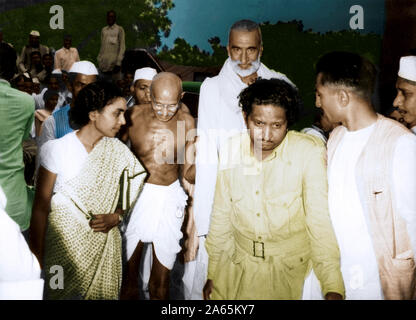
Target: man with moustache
column 56, row 126
column 158, row 132
column 406, row 91
column 219, row 117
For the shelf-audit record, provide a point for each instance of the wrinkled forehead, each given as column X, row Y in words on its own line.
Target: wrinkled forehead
column 166, row 89
column 241, row 35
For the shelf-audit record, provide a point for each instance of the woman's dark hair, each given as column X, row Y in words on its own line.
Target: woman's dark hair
column 93, row 97
column 274, row 91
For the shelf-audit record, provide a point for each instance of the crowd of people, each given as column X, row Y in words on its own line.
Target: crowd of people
column 133, row 198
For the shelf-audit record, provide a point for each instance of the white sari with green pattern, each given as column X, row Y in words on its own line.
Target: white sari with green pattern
column 91, row 261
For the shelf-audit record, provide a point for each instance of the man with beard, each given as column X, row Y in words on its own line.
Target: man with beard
column 219, row 117
column 56, row 126
column 23, row 62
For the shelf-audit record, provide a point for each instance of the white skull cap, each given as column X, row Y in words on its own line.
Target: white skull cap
column 145, row 74
column 407, row 68
column 84, row 67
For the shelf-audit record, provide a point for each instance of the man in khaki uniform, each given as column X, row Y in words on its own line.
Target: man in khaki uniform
column 270, row 223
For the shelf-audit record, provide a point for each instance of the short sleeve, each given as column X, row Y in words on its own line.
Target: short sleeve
column 48, row 154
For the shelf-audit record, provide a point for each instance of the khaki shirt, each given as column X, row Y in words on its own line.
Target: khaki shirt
column 112, row 47
column 65, row 58
column 276, row 208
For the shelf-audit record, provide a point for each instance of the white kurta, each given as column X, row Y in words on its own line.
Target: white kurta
column 219, row 117
column 350, row 221
column 19, row 268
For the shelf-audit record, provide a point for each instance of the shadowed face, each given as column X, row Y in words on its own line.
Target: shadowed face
column 326, row 98
column 67, row 43
column 141, row 91
column 268, row 127
column 406, row 100
column 111, row 18
column 81, row 80
column 34, row 41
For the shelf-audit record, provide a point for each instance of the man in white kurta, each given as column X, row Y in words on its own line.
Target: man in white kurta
column 19, row 269
column 348, row 100
column 220, row 117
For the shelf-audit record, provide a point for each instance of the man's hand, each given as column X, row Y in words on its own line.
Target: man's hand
column 208, row 289
column 333, row 296
column 104, row 222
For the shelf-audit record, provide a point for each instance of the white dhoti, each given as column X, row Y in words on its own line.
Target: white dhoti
column 157, row 218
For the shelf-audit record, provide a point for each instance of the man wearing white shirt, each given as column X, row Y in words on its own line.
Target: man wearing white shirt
column 67, row 55
column 406, row 90
column 371, row 170
column 220, row 117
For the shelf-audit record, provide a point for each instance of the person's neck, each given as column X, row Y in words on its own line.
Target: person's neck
column 360, row 117
column 249, row 79
column 89, row 136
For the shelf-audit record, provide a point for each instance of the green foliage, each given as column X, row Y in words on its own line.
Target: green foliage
column 142, row 21
column 287, row 49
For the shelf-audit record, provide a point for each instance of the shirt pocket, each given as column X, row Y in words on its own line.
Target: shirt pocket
column 283, row 211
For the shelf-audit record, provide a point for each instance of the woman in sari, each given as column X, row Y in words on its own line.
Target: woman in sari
column 87, row 180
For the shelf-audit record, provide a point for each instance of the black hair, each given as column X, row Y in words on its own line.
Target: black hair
column 7, row 61
column 93, row 97
column 47, row 55
column 274, row 91
column 350, row 70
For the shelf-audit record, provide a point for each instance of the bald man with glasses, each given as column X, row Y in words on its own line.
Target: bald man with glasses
column 162, row 137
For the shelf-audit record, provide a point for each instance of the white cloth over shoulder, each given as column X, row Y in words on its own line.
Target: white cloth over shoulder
column 157, row 217
column 64, row 157
column 219, row 117
column 19, row 268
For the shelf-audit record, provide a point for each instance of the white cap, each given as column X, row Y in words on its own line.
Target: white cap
column 35, row 80
column 84, row 67
column 34, row 33
column 408, row 68
column 145, row 74
column 57, row 71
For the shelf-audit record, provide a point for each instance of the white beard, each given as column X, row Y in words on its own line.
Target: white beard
column 255, row 65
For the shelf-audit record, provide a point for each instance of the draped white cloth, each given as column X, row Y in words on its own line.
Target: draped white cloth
column 19, row 268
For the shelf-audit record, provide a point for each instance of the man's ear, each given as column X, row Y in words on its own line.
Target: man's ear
column 132, row 89
column 182, row 94
column 228, row 50
column 343, row 97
